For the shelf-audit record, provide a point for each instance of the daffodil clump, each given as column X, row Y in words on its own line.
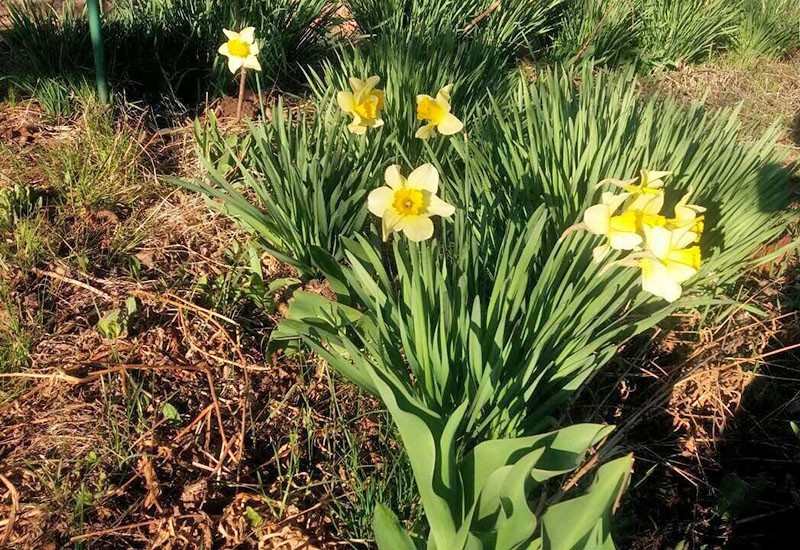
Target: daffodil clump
column 241, row 49
column 407, row 204
column 664, row 248
column 364, row 104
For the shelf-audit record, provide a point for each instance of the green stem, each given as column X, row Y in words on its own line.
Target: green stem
column 93, row 7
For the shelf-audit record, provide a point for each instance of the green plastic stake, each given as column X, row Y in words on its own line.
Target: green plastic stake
column 93, row 7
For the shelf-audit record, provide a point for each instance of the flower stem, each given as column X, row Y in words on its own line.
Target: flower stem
column 242, row 79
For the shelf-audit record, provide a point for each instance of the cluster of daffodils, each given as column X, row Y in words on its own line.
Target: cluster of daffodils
column 665, row 249
column 364, row 104
column 404, row 204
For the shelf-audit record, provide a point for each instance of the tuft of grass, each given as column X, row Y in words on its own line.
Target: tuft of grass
column 597, row 31
column 688, row 31
column 769, row 29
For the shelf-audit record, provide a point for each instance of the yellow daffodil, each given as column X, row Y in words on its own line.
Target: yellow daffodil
column 241, row 49
column 621, row 231
column 668, row 261
column 646, row 193
column 687, row 216
column 436, row 111
column 407, row 204
column 364, row 104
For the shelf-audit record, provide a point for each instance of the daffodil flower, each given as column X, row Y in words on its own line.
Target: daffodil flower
column 241, row 49
column 687, row 216
column 407, row 204
column 436, row 111
column 621, row 231
column 364, row 104
column 646, row 192
column 668, row 261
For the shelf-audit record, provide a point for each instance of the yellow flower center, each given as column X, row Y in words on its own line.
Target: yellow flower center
column 409, row 202
column 688, row 256
column 370, row 108
column 429, row 109
column 624, row 223
column 653, row 220
column 238, row 48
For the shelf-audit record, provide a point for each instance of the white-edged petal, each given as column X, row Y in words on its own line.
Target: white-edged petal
column 450, row 125
column 425, row 178
column 437, row 207
column 393, row 178
column 380, row 200
column 417, row 228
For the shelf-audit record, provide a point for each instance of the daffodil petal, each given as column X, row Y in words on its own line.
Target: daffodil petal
column 613, row 200
column 450, row 125
column 417, row 228
column 251, row 62
column 372, row 82
column 437, row 207
column 231, row 35
column 248, row 35
column 426, row 131
column 356, row 83
column 444, row 93
column 356, row 127
column 391, row 222
column 393, row 178
column 600, row 252
column 425, row 178
column 223, row 50
column 680, row 272
column 658, row 240
column 345, row 101
column 596, row 219
column 624, row 241
column 656, row 280
column 254, row 48
column 380, row 200
column 234, row 64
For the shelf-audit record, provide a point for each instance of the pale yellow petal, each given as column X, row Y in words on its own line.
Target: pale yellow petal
column 223, row 50
column 345, row 101
column 680, row 272
column 356, row 127
column 450, row 125
column 658, row 240
column 372, row 82
column 254, row 48
column 437, row 207
column 248, row 35
column 596, row 219
column 393, row 178
column 251, row 62
column 613, row 200
column 426, row 131
column 356, row 84
column 380, row 200
column 624, row 241
column 444, row 93
column 425, row 178
column 417, row 228
column 683, row 237
column 656, row 280
column 234, row 64
column 231, row 35
column 600, row 252
column 392, row 221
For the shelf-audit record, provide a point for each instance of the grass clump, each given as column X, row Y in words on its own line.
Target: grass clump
column 767, row 29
